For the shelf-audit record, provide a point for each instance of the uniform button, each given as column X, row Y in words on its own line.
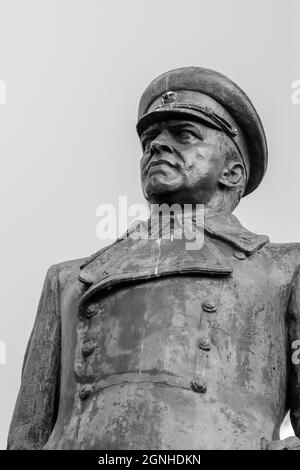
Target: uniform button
column 79, row 368
column 88, row 348
column 91, row 310
column 198, row 385
column 239, row 255
column 209, row 306
column 204, row 343
column 86, row 391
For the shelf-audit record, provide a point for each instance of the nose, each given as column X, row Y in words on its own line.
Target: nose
column 160, row 145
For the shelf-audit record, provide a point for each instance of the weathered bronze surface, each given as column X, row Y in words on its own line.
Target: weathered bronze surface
column 148, row 345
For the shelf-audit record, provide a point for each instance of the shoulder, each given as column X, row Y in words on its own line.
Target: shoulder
column 69, row 270
column 283, row 250
column 285, row 256
column 65, row 271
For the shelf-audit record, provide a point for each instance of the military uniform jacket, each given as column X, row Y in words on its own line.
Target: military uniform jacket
column 146, row 345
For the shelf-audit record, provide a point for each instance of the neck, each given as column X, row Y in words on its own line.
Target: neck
column 219, row 203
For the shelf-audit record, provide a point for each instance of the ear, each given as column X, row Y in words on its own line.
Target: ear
column 232, row 175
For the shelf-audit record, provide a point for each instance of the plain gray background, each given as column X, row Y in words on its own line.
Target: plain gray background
column 74, row 72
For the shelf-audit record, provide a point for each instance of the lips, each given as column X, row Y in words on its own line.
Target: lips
column 161, row 162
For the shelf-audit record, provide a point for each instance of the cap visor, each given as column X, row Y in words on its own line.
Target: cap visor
column 163, row 114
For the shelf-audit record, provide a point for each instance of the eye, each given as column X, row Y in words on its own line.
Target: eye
column 146, row 140
column 184, row 135
column 145, row 143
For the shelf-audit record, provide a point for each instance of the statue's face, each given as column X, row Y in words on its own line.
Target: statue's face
column 181, row 162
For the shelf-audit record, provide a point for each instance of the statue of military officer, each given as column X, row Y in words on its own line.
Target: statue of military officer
column 149, row 345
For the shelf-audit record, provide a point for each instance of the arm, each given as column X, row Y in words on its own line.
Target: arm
column 294, row 356
column 37, row 403
column 293, row 388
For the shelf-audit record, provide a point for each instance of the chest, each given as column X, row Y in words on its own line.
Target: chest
column 184, row 325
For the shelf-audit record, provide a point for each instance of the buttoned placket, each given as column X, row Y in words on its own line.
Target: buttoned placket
column 85, row 348
column 208, row 318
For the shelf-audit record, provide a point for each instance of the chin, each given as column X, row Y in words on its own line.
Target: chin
column 160, row 183
column 158, row 188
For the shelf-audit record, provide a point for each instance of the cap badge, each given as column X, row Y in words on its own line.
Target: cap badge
column 168, row 98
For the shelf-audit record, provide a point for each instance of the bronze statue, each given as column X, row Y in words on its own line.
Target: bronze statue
column 148, row 345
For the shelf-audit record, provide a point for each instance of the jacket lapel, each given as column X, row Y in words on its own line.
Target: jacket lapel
column 128, row 260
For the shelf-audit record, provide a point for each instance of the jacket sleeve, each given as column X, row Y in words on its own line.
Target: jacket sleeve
column 294, row 353
column 37, row 402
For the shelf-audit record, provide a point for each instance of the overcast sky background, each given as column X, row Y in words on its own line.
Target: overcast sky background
column 74, row 72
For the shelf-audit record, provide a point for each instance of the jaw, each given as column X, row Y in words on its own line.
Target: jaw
column 159, row 189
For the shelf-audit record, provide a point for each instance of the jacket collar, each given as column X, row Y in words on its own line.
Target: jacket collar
column 230, row 230
column 225, row 228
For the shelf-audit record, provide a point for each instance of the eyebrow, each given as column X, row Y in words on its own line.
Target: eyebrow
column 173, row 125
column 186, row 125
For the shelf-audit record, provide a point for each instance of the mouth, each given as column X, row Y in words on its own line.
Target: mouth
column 157, row 163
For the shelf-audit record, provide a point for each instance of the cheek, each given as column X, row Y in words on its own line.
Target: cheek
column 203, row 166
column 143, row 164
column 144, row 160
